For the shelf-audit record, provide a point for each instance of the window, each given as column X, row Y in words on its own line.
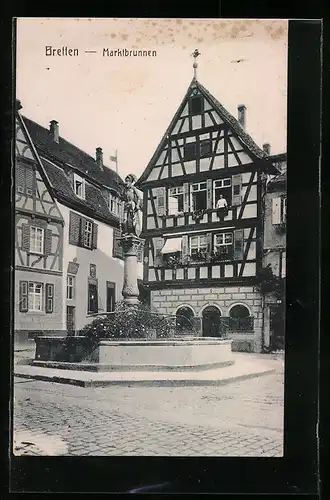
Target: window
column 70, row 287
column 240, row 319
column 222, row 187
column 82, row 232
column 279, row 210
column 196, row 105
column 36, row 240
column 199, row 196
column 24, row 180
column 198, row 246
column 87, row 233
column 206, row 147
column 35, row 297
column 189, row 151
column 31, row 297
column 223, row 239
column 79, row 186
column 92, row 297
column 223, row 245
column 175, row 200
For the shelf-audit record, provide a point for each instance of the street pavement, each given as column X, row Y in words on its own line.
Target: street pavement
column 238, row 419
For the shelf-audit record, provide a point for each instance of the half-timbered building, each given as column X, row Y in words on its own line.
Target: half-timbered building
column 202, row 221
column 38, row 243
column 89, row 205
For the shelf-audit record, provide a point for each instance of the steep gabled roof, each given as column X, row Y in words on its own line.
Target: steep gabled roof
column 67, row 153
column 227, row 117
column 233, row 123
column 94, row 203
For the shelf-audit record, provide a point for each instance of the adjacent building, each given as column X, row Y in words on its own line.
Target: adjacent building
column 203, row 192
column 68, row 265
column 275, row 217
column 39, row 243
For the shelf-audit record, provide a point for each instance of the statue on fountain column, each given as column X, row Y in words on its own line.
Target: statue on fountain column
column 132, row 207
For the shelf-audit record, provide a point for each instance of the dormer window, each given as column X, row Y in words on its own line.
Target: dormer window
column 196, row 105
column 114, row 204
column 79, row 186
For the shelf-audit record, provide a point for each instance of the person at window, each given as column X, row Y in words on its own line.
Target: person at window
column 222, row 207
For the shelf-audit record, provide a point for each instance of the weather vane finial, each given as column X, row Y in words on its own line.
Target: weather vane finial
column 195, row 54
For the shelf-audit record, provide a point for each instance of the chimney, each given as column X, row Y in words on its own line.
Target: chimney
column 54, row 131
column 266, row 148
column 99, row 157
column 241, row 114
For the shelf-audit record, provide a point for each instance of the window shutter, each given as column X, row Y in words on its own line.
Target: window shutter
column 20, row 179
column 209, row 243
column 238, row 244
column 283, row 270
column 26, row 237
column 29, row 181
column 94, row 236
column 209, row 186
column 48, row 241
column 186, row 203
column 161, row 193
column 74, row 229
column 49, row 298
column 117, row 249
column 284, row 209
column 276, row 210
column 236, row 190
column 185, row 248
column 158, row 245
column 23, row 296
column 140, row 253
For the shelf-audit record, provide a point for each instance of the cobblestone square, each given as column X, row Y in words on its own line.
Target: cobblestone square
column 238, row 419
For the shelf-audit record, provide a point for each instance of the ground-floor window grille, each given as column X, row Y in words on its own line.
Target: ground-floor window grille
column 240, row 319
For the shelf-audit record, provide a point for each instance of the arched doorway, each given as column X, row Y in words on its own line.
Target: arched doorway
column 240, row 318
column 211, row 322
column 184, row 320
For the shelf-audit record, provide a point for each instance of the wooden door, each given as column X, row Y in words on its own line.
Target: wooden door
column 111, row 296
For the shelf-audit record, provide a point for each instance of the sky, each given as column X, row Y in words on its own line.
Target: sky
column 126, row 103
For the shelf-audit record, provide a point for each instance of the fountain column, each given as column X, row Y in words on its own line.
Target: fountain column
column 130, row 245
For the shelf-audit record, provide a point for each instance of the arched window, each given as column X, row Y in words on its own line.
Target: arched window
column 185, row 320
column 212, row 322
column 240, row 319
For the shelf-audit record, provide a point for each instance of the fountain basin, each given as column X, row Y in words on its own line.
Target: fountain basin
column 178, row 354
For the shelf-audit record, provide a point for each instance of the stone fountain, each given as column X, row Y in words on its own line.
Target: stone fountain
column 130, row 240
